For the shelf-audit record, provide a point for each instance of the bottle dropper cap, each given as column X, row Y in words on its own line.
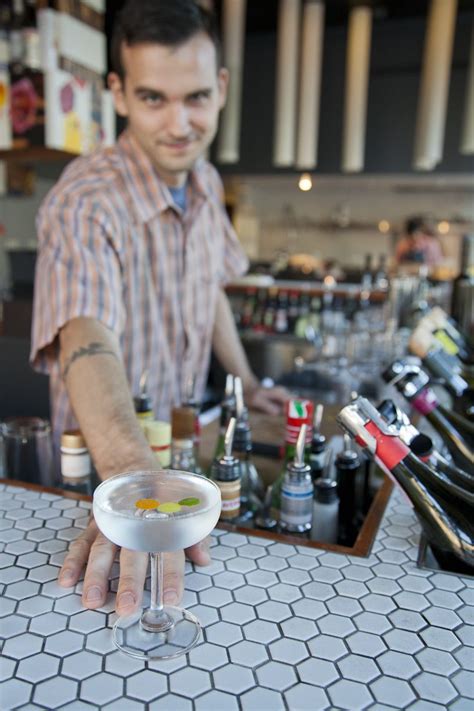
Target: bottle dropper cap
column 227, row 468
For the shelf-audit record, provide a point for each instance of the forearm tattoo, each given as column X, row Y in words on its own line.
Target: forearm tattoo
column 84, row 351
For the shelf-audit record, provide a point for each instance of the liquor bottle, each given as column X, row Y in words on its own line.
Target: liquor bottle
column 456, row 431
column 76, row 465
column 298, row 412
column 293, row 310
column 446, row 521
column 462, row 307
column 252, row 490
column 182, row 440
column 142, row 402
column 297, row 492
column 227, row 408
column 367, row 273
column 318, row 445
column 248, row 309
column 190, row 400
column 347, row 467
column 269, row 314
column 226, row 472
column 281, row 316
column 381, row 280
column 158, row 436
column 324, row 527
column 451, row 336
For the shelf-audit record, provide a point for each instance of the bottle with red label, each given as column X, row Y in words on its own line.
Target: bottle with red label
column 456, row 431
column 298, row 412
column 445, row 517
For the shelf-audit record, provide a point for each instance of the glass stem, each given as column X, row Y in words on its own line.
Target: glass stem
column 154, row 618
column 156, row 572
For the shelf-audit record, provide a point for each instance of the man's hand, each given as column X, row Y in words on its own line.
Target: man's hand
column 271, row 401
column 92, row 549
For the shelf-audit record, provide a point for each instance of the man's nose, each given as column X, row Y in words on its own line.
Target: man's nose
column 178, row 120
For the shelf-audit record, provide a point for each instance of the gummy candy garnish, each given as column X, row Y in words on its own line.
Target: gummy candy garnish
column 147, row 503
column 169, row 507
column 190, row 501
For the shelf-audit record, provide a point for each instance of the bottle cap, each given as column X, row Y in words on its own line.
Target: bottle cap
column 182, row 423
column 318, row 443
column 325, row 490
column 73, row 439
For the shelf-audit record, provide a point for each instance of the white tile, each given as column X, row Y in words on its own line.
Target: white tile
column 43, row 574
column 12, row 575
column 369, row 645
column 64, row 643
column 241, row 565
column 439, row 617
column 276, row 675
column 120, row 664
column 102, row 688
column 464, row 683
column 437, row 661
column 6, row 606
column 35, row 606
column 238, row 613
column 299, row 628
column 19, row 547
column 434, row 688
column 251, row 550
column 312, row 609
column 294, row 576
column 262, row 578
column 346, row 606
column 318, row 591
column 22, row 646
column 48, row 624
column 288, row 650
column 208, row 656
column 250, row 595
column 13, row 625
column 229, row 580
column 402, row 666
column 330, row 648
column 216, row 701
column 247, row 653
column 233, row 678
column 224, row 633
column 346, row 694
column 206, row 615
column 38, row 668
column 82, row 665
column 273, row 611
column 22, row 590
column 215, row 597
column 306, row 698
column 260, row 699
column 261, row 631
column 190, row 682
column 88, row 621
column 317, row 671
column 7, row 668
column 15, row 693
column 407, row 620
column 100, row 641
column 60, row 689
column 395, row 692
column 272, row 563
column 171, row 702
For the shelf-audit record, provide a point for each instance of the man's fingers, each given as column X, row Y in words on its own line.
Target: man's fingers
column 101, row 557
column 173, row 577
column 133, row 567
column 199, row 553
column 77, row 555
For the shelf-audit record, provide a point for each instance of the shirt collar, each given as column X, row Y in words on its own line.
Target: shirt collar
column 150, row 193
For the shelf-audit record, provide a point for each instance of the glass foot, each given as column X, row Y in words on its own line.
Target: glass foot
column 130, row 636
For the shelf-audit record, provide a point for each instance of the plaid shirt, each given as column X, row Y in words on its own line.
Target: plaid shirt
column 113, row 246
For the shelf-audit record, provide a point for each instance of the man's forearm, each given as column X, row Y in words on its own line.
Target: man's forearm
column 228, row 347
column 100, row 397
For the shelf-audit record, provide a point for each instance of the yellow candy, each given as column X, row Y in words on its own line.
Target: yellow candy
column 169, row 507
column 147, row 504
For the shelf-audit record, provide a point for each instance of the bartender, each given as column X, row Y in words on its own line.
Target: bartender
column 135, row 249
column 419, row 244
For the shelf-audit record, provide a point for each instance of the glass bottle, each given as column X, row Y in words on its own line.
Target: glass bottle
column 226, row 472
column 324, row 527
column 142, row 402
column 347, row 467
column 227, row 408
column 182, row 440
column 76, row 465
column 446, row 520
column 297, row 492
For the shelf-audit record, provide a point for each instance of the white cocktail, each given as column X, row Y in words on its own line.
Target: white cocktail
column 157, row 512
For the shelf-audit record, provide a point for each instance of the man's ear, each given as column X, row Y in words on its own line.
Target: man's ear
column 222, row 83
column 115, row 85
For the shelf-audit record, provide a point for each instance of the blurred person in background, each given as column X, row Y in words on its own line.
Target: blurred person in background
column 419, row 244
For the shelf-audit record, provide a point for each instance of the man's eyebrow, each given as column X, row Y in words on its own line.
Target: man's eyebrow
column 148, row 90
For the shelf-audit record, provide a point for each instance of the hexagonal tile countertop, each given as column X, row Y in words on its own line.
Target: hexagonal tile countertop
column 285, row 627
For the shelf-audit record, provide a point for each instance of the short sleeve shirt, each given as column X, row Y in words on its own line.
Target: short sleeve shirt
column 114, row 246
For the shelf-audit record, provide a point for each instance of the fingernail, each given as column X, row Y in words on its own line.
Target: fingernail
column 126, row 599
column 66, row 575
column 170, row 597
column 93, row 594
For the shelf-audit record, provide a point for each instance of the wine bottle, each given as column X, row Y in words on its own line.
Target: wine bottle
column 445, row 519
column 252, row 490
column 463, row 287
column 456, row 431
column 422, row 446
column 317, row 453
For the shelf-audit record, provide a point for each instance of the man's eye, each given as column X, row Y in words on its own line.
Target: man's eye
column 152, row 99
column 199, row 97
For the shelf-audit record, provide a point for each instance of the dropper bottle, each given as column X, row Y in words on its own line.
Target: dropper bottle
column 226, row 473
column 297, row 492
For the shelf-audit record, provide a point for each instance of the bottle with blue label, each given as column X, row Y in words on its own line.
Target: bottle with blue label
column 297, row 492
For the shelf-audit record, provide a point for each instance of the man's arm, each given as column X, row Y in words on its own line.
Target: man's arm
column 91, row 365
column 229, row 351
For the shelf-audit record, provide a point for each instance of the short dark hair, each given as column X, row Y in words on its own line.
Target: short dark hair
column 417, row 224
column 166, row 22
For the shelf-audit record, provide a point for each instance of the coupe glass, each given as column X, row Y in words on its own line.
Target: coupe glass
column 157, row 512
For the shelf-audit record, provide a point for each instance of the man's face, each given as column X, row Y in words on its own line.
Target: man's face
column 171, row 97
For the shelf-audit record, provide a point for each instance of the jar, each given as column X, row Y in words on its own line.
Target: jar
column 75, row 458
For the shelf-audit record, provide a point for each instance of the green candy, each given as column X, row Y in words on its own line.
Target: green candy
column 191, row 501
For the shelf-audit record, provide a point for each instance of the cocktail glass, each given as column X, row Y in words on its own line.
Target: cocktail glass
column 157, row 512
